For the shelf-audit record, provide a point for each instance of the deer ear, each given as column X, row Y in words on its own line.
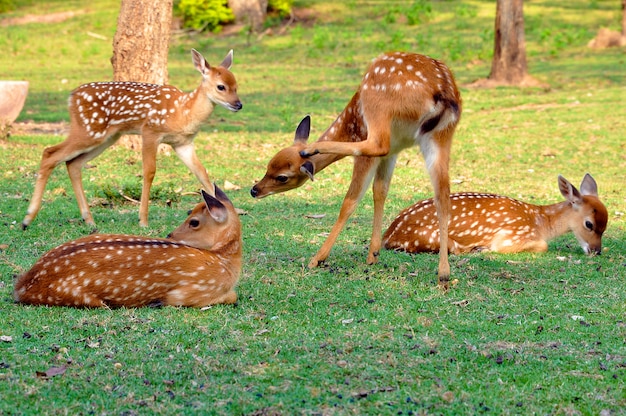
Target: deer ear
column 228, row 60
column 308, row 169
column 589, row 186
column 303, row 130
column 217, row 210
column 569, row 191
column 199, row 62
column 221, row 195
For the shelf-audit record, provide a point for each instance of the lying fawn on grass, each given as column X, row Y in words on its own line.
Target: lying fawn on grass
column 197, row 265
column 100, row 112
column 404, row 100
column 502, row 224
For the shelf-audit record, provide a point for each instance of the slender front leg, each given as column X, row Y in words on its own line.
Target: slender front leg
column 187, row 154
column 362, row 173
column 149, row 148
column 384, row 172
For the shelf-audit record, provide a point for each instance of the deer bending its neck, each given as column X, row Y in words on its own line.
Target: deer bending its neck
column 404, row 100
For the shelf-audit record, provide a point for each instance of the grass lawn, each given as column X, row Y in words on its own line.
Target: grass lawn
column 518, row 334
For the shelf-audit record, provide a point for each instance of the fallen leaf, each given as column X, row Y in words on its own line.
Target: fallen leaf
column 6, row 338
column 229, row 186
column 315, row 216
column 51, row 372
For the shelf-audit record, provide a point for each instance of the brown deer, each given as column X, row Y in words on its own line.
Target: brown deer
column 404, row 100
column 100, row 112
column 197, row 265
column 498, row 223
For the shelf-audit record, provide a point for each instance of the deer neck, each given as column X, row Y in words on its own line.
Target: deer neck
column 195, row 107
column 553, row 220
column 349, row 126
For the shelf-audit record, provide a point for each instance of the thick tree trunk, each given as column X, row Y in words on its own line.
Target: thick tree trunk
column 251, row 12
column 141, row 43
column 141, row 46
column 509, row 66
column 509, row 58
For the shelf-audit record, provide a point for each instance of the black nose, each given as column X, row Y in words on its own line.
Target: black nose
column 238, row 106
column 254, row 192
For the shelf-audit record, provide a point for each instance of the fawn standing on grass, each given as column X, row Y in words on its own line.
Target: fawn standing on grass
column 498, row 223
column 197, row 265
column 404, row 100
column 100, row 112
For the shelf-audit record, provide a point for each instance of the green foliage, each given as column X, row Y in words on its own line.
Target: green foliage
column 204, row 14
column 6, row 6
column 280, row 7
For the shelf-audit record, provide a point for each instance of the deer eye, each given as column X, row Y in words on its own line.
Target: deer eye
column 282, row 178
column 589, row 225
column 221, row 87
column 194, row 223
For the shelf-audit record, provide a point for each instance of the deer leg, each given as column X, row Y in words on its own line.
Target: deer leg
column 190, row 296
column 362, row 172
column 149, row 146
column 187, row 154
column 384, row 172
column 377, row 144
column 51, row 157
column 437, row 156
column 75, row 171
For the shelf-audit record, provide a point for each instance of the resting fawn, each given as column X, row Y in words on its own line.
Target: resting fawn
column 404, row 100
column 499, row 223
column 197, row 265
column 100, row 112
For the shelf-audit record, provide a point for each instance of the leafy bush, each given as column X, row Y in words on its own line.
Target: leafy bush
column 204, row 14
column 281, row 7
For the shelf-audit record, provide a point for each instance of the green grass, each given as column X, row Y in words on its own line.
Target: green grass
column 518, row 334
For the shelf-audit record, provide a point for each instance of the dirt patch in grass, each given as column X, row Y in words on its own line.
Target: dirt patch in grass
column 41, row 18
column 30, row 127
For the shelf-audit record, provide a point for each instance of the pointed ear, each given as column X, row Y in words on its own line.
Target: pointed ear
column 217, row 210
column 308, row 169
column 569, row 191
column 228, row 60
column 303, row 130
column 589, row 186
column 199, row 62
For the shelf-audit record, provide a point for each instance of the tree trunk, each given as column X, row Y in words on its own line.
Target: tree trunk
column 141, row 46
column 252, row 12
column 509, row 58
column 141, row 43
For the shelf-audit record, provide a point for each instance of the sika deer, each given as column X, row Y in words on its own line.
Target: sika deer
column 197, row 265
column 404, row 100
column 502, row 224
column 100, row 112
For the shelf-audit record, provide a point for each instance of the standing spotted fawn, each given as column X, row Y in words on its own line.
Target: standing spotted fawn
column 197, row 265
column 404, row 100
column 101, row 112
column 502, row 224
